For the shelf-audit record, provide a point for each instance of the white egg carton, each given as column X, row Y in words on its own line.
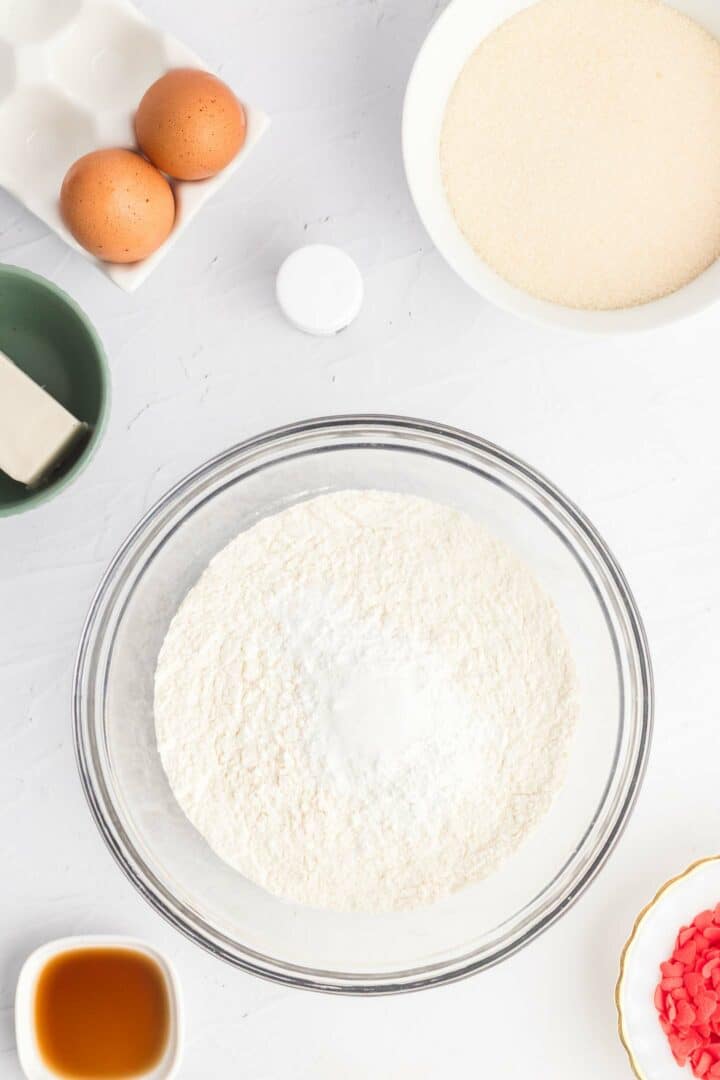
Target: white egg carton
column 72, row 73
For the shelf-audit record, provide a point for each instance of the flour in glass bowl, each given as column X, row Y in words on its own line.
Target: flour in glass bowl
column 365, row 703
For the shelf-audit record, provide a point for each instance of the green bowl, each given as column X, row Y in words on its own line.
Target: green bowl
column 47, row 335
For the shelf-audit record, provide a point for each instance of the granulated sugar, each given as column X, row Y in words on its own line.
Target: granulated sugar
column 581, row 151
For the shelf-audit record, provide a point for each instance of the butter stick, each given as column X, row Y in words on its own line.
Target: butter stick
column 36, row 432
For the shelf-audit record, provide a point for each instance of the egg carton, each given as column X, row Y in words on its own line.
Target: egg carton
column 72, row 73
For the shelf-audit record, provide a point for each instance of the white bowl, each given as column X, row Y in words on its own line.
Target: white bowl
column 31, row 1060
column 450, row 43
column 651, row 942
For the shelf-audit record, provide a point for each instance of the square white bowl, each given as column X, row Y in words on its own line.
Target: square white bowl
column 31, row 1060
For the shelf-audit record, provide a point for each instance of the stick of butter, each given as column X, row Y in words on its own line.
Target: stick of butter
column 36, row 432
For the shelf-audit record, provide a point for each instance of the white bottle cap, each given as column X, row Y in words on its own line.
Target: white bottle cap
column 320, row 289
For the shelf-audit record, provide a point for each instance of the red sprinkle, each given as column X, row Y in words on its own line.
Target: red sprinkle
column 687, row 996
column 687, row 954
column 702, row 1062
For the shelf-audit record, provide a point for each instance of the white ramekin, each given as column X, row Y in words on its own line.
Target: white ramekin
column 31, row 1060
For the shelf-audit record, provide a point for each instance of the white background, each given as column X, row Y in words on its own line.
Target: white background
column 201, row 359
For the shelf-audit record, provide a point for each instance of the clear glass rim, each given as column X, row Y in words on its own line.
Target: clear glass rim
column 361, row 431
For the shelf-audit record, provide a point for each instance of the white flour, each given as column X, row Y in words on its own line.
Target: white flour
column 365, row 703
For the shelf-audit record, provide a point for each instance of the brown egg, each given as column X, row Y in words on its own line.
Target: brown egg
column 190, row 124
column 117, row 205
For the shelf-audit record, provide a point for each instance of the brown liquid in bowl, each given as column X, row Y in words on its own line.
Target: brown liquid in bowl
column 102, row 1012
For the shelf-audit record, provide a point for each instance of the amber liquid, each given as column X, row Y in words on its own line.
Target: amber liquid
column 101, row 1012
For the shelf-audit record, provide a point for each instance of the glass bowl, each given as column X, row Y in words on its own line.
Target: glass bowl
column 170, row 863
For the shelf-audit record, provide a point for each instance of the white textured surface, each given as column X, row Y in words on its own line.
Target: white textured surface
column 201, row 358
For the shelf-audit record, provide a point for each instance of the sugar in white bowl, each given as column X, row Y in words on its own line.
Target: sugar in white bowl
column 458, row 34
column 580, row 151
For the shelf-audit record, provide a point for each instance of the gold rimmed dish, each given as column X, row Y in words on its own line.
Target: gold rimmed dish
column 651, row 942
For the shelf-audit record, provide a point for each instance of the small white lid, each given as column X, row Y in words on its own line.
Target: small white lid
column 320, row 289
